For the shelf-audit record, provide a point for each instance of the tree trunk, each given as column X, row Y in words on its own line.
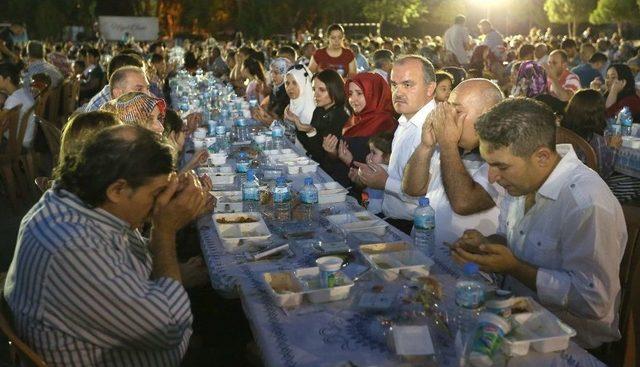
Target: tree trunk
column 569, row 29
column 574, row 31
column 619, row 24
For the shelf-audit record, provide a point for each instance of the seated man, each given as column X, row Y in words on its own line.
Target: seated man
column 562, row 232
column 84, row 287
column 117, row 62
column 446, row 166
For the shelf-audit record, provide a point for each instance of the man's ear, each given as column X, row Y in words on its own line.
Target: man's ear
column 543, row 157
column 118, row 191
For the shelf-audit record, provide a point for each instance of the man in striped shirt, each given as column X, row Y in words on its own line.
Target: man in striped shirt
column 38, row 65
column 562, row 82
column 84, row 287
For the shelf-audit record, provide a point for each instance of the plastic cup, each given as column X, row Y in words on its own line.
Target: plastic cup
column 500, row 307
column 329, row 266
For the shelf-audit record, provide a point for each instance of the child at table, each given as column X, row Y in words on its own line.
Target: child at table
column 379, row 153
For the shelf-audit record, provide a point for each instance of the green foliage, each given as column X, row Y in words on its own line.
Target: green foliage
column 615, row 11
column 443, row 11
column 569, row 11
column 398, row 12
column 49, row 20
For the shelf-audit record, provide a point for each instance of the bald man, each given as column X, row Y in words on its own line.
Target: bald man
column 447, row 167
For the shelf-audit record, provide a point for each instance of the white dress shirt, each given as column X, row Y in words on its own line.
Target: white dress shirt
column 449, row 225
column 406, row 139
column 575, row 234
column 455, row 38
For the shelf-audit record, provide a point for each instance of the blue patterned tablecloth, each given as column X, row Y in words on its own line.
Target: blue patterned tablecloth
column 336, row 334
column 628, row 162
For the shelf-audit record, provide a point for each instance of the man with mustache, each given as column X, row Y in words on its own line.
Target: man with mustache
column 413, row 87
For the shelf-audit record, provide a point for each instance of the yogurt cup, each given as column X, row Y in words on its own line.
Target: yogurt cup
column 499, row 306
column 487, row 339
column 329, row 266
column 200, row 133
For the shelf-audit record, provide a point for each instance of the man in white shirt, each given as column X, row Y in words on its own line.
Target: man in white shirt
column 562, row 233
column 413, row 87
column 9, row 82
column 447, row 167
column 456, row 40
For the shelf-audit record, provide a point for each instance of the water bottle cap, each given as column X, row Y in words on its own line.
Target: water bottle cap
column 308, row 181
column 280, row 181
column 470, row 268
column 251, row 174
column 242, row 155
column 423, row 201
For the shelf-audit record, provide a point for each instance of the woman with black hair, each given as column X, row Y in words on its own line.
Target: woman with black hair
column 257, row 88
column 621, row 91
column 328, row 118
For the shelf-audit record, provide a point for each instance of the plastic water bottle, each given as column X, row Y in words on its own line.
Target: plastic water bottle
column 625, row 120
column 470, row 295
column 282, row 200
column 424, row 223
column 242, row 132
column 251, row 193
column 340, row 71
column 212, row 127
column 243, row 162
column 309, row 197
column 277, row 134
column 221, row 136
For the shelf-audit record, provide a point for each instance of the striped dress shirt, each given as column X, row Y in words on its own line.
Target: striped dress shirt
column 42, row 67
column 80, row 292
column 99, row 99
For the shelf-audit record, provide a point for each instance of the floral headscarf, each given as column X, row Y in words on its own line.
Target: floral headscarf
column 531, row 80
column 135, row 108
column 281, row 65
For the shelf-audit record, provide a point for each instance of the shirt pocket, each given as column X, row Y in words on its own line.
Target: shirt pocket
column 541, row 249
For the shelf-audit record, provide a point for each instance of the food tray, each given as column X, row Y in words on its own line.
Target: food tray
column 388, row 265
column 631, row 142
column 304, row 282
column 540, row 330
column 222, row 178
column 233, row 235
column 297, row 167
column 284, row 288
column 217, row 158
column 359, row 222
column 228, row 201
column 331, row 192
column 310, row 280
column 279, row 152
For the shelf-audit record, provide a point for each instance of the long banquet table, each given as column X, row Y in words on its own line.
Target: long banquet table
column 337, row 333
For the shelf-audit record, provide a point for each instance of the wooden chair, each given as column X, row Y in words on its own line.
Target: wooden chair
column 43, row 183
column 9, row 123
column 41, row 103
column 53, row 106
column 53, row 135
column 18, row 349
column 624, row 353
column 566, row 136
column 70, row 94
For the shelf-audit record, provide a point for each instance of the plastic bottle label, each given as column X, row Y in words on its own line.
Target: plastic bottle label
column 309, row 197
column 277, row 133
column 251, row 194
column 486, row 340
column 281, row 195
column 427, row 222
column 242, row 167
column 469, row 298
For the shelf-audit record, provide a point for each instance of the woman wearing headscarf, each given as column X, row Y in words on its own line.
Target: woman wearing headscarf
column 369, row 97
column 272, row 108
column 531, row 80
column 298, row 86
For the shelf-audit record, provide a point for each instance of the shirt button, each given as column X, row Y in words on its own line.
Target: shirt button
column 521, row 233
column 538, row 243
column 572, row 186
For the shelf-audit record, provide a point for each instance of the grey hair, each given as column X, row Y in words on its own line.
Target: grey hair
column 428, row 71
column 119, row 76
column 521, row 124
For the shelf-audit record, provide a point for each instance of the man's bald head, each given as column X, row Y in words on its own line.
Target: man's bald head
column 472, row 98
column 128, row 79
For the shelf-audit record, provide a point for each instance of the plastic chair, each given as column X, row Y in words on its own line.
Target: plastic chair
column 566, row 136
column 18, row 349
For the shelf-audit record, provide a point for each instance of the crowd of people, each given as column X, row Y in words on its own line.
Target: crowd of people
column 96, row 278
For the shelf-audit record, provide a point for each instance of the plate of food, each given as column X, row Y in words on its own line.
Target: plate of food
column 237, row 230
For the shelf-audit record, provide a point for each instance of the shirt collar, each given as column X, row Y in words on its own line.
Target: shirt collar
column 97, row 214
column 561, row 173
column 420, row 116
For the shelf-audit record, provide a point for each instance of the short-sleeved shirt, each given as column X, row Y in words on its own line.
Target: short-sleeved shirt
column 454, row 40
column 568, row 80
column 325, row 61
column 586, row 73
